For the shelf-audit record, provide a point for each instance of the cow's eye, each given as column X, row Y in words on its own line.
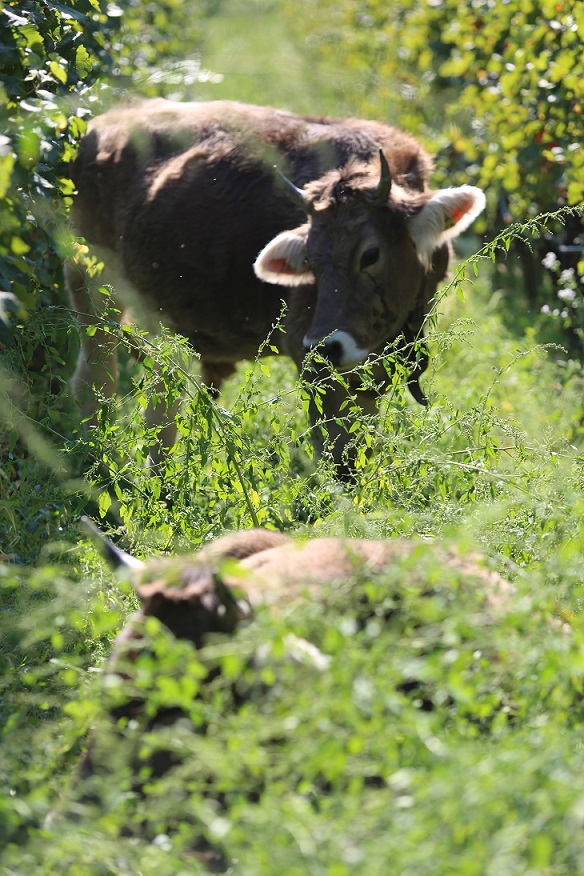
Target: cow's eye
column 369, row 257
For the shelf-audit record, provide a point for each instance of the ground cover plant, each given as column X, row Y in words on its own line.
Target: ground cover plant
column 434, row 741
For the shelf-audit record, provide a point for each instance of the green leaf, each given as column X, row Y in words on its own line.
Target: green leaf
column 6, row 168
column 83, row 62
column 104, row 503
column 66, row 185
column 58, row 72
column 18, row 246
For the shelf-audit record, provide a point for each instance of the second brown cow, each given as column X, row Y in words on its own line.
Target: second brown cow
column 197, row 230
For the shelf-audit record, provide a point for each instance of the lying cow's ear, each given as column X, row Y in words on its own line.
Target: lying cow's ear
column 283, row 259
column 444, row 216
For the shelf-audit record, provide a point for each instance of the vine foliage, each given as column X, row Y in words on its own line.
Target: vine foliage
column 52, row 56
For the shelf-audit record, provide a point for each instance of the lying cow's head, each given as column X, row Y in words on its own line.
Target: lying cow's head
column 369, row 247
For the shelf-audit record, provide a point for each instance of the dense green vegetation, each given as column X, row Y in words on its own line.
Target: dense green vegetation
column 436, row 742
column 497, row 85
column 496, row 89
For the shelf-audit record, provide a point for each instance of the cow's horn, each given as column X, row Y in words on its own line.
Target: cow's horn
column 296, row 194
column 116, row 558
column 384, row 187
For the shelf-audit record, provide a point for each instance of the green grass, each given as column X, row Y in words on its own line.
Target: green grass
column 345, row 768
column 437, row 742
column 255, row 49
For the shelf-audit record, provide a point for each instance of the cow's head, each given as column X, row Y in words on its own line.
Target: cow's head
column 369, row 247
column 187, row 596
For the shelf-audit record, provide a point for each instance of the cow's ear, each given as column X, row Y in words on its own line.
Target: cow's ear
column 283, row 259
column 444, row 216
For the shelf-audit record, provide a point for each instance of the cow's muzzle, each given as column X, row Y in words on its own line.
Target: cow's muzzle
column 340, row 348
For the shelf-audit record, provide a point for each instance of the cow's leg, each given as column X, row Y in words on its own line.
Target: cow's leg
column 162, row 408
column 332, row 418
column 333, row 411
column 162, row 415
column 96, row 372
column 214, row 373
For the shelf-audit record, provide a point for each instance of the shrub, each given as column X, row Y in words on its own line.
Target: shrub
column 496, row 89
column 52, row 56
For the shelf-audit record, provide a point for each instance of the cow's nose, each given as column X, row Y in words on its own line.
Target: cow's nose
column 328, row 349
column 340, row 348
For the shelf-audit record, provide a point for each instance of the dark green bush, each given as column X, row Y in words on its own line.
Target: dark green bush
column 52, row 55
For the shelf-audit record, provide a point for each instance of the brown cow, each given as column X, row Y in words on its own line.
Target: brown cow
column 178, row 199
column 222, row 585
column 215, row 591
